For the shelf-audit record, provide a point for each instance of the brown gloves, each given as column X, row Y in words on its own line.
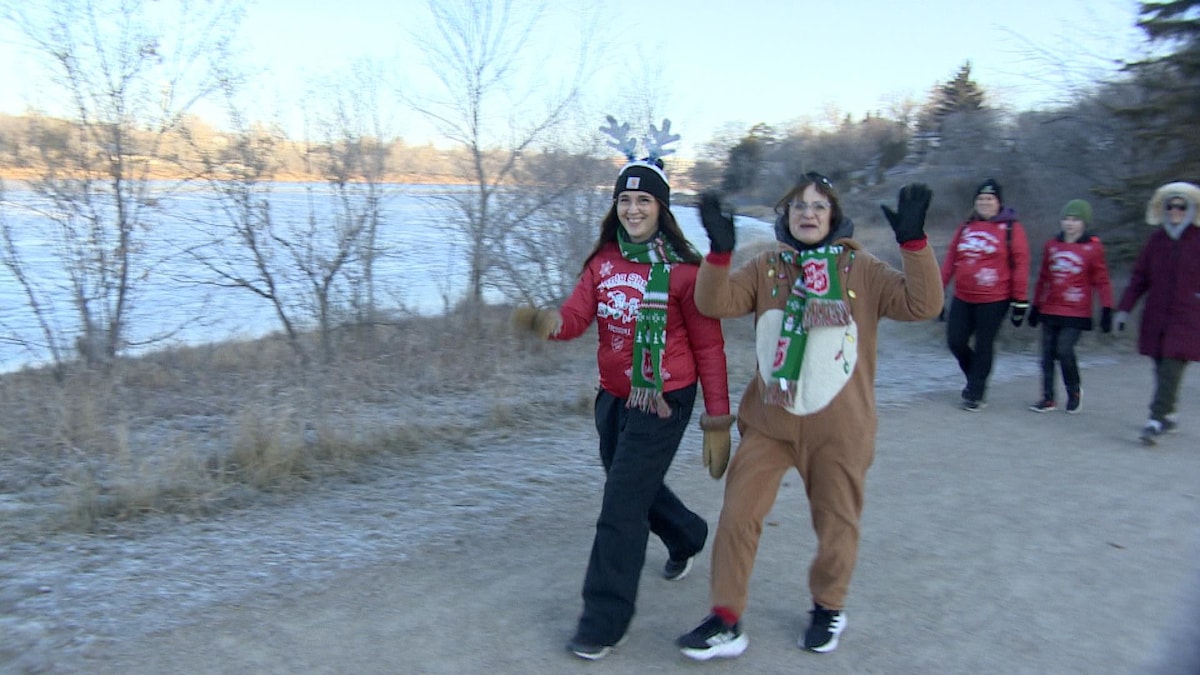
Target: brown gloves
column 716, row 442
column 541, row 322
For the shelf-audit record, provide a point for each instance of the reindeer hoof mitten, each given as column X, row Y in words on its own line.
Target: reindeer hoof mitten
column 717, row 442
column 540, row 322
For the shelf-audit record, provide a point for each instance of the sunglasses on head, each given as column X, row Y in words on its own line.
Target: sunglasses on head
column 1176, row 206
column 815, row 177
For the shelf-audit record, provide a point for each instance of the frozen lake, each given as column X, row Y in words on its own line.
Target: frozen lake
column 421, row 267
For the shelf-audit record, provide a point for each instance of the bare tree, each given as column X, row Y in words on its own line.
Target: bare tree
column 239, row 247
column 290, row 249
column 562, row 208
column 487, row 105
column 127, row 73
column 354, row 162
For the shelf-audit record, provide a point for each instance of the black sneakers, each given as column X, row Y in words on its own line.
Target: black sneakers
column 822, row 634
column 1074, row 402
column 713, row 638
column 971, row 405
column 1045, row 405
column 675, row 570
column 590, row 650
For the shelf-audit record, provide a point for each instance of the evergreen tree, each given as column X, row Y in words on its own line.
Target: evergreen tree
column 1167, row 118
column 745, row 161
column 960, row 94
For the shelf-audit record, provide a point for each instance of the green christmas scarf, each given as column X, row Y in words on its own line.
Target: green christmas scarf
column 814, row 302
column 650, row 332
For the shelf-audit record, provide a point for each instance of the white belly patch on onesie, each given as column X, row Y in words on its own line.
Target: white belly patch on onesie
column 829, row 359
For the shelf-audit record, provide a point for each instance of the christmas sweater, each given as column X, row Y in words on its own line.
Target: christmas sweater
column 987, row 262
column 1070, row 275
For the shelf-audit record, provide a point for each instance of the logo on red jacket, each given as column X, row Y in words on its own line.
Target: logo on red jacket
column 816, row 276
column 977, row 244
column 1066, row 263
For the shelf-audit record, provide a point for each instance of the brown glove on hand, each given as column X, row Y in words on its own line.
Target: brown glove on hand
column 716, row 442
column 541, row 322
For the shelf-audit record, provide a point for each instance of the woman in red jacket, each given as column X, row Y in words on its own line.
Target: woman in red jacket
column 1167, row 272
column 1072, row 272
column 988, row 260
column 637, row 285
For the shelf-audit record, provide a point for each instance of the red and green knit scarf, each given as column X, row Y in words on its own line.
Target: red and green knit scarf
column 650, row 332
column 815, row 301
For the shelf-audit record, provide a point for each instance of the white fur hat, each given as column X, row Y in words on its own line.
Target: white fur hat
column 1156, row 210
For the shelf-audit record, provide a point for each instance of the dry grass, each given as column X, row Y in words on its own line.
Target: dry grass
column 197, row 429
column 193, row 430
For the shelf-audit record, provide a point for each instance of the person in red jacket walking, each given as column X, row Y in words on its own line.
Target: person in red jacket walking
column 637, row 285
column 1072, row 272
column 988, row 260
column 1167, row 272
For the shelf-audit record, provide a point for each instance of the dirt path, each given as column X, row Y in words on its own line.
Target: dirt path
column 995, row 542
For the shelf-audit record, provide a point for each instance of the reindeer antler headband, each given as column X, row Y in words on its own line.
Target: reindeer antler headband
column 644, row 174
column 656, row 141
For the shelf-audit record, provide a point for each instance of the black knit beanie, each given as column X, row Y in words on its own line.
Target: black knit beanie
column 990, row 187
column 644, row 176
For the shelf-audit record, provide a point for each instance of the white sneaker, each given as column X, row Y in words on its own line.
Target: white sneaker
column 1151, row 431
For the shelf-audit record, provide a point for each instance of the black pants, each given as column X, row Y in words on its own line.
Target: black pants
column 636, row 449
column 981, row 320
column 1058, row 344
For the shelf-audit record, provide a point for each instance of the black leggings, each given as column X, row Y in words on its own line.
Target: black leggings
column 981, row 320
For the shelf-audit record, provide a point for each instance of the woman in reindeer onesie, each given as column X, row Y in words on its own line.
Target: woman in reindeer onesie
column 817, row 299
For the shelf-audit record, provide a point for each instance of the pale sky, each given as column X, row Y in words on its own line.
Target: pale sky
column 709, row 64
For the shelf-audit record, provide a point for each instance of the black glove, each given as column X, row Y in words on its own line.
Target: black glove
column 1019, row 307
column 718, row 225
column 1106, row 320
column 1034, row 315
column 908, row 220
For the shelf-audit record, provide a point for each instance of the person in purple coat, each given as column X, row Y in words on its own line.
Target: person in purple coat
column 1167, row 272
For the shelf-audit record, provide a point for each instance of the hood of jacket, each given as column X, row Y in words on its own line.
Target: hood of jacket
column 1005, row 215
column 1156, row 210
column 843, row 229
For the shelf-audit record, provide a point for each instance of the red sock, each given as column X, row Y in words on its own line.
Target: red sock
column 725, row 614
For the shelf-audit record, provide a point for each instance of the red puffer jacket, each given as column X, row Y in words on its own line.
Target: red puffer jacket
column 610, row 292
